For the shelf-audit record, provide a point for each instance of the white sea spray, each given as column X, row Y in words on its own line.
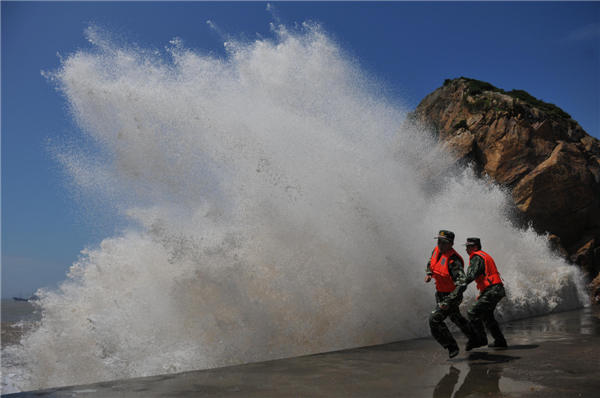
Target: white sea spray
column 277, row 209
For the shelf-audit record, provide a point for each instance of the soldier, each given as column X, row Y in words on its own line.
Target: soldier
column 446, row 266
column 482, row 270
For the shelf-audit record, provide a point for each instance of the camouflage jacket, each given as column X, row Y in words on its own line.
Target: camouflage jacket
column 457, row 273
column 476, row 268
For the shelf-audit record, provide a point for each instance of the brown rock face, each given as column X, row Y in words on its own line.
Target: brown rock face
column 594, row 289
column 559, row 194
column 551, row 165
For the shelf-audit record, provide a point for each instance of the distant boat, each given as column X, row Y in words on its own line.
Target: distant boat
column 33, row 297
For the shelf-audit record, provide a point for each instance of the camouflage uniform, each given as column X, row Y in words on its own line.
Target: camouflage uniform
column 452, row 300
column 482, row 311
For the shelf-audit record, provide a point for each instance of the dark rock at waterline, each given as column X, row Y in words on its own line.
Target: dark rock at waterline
column 546, row 160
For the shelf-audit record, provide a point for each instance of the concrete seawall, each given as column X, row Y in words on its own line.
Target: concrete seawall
column 556, row 355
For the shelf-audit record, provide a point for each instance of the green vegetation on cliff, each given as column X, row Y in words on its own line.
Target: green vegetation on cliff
column 477, row 87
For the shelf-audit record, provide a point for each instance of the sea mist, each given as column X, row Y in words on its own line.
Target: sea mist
column 277, row 207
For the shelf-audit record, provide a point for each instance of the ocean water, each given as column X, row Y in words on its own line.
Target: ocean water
column 16, row 311
column 18, row 318
column 276, row 204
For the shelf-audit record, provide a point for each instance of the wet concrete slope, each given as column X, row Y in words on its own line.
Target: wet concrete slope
column 556, row 355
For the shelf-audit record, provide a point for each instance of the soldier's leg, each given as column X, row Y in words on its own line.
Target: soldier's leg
column 464, row 325
column 438, row 327
column 492, row 325
column 475, row 313
column 495, row 295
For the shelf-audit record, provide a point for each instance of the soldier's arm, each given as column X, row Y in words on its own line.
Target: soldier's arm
column 476, row 268
column 428, row 270
column 428, row 273
column 458, row 276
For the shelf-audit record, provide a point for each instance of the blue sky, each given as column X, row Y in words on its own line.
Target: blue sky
column 550, row 49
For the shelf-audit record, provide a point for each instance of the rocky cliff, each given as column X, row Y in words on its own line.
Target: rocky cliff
column 547, row 161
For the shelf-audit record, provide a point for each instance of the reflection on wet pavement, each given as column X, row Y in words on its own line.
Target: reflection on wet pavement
column 482, row 375
column 445, row 387
column 481, row 372
column 585, row 321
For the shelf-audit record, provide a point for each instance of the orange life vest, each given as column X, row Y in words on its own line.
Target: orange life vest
column 491, row 276
column 439, row 266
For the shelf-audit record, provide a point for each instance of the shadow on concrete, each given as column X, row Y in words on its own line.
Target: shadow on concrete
column 523, row 346
column 490, row 358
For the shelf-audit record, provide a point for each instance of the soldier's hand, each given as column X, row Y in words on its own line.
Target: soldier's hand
column 428, row 279
column 477, row 298
column 444, row 307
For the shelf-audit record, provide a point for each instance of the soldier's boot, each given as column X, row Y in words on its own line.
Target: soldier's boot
column 476, row 343
column 479, row 339
column 498, row 344
column 453, row 350
column 471, row 344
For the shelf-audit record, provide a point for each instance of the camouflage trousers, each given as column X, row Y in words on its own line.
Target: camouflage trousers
column 482, row 313
column 438, row 327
